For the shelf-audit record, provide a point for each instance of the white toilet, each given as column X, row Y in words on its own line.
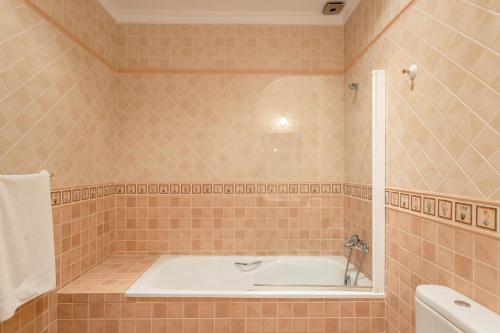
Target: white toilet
column 440, row 309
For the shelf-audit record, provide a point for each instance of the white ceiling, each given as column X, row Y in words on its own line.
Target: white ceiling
column 225, row 11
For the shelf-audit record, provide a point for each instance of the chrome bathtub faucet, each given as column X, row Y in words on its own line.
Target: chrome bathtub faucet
column 354, row 242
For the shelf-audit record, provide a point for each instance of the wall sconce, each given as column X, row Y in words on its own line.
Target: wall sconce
column 283, row 122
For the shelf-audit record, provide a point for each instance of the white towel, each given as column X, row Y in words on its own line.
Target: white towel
column 27, row 260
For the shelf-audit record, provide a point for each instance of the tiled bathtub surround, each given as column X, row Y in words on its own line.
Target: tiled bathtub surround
column 38, row 315
column 229, row 222
column 114, row 275
column 421, row 250
column 83, row 234
column 358, row 221
column 114, row 313
column 96, row 302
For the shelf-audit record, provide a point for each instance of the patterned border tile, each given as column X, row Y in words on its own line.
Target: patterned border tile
column 429, row 206
column 395, row 199
column 416, row 203
column 469, row 213
column 486, row 217
column 360, row 191
column 66, row 196
column 445, row 209
column 463, row 213
column 404, row 200
column 355, row 190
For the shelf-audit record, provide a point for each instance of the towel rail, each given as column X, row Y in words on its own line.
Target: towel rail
column 51, row 174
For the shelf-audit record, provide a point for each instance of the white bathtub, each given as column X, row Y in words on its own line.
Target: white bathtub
column 285, row 276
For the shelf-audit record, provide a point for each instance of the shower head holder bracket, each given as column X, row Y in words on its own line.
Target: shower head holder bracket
column 412, row 74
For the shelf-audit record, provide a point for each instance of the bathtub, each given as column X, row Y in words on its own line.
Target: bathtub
column 249, row 277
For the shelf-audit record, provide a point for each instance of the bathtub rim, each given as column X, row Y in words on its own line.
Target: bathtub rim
column 313, row 294
column 138, row 290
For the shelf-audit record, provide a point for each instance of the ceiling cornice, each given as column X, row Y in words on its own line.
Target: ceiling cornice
column 264, row 18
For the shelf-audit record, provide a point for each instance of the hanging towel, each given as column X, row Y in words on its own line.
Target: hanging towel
column 27, row 260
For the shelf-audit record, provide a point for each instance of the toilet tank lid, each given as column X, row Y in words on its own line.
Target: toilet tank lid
column 473, row 319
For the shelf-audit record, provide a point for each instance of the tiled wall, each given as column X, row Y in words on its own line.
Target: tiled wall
column 54, row 114
column 38, row 315
column 368, row 20
column 442, row 141
column 86, row 20
column 84, row 231
column 227, row 128
column 442, row 136
column 358, row 221
column 229, row 222
column 421, row 250
column 358, row 125
column 55, row 102
column 358, row 160
column 114, row 313
column 229, row 47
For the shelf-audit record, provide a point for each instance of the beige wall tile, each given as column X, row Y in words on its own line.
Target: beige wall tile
column 447, row 146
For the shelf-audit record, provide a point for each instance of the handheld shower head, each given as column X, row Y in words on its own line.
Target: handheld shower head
column 353, row 86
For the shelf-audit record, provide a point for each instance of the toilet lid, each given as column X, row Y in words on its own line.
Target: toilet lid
column 463, row 312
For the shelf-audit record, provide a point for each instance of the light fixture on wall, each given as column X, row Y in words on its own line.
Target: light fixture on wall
column 412, row 73
column 283, row 122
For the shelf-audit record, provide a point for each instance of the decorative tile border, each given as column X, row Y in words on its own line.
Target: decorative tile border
column 67, row 196
column 358, row 191
column 475, row 214
column 232, row 188
column 466, row 212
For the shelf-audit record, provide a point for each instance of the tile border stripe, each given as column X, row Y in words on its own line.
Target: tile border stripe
column 468, row 213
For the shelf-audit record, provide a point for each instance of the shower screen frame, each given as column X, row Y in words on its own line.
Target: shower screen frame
column 378, row 179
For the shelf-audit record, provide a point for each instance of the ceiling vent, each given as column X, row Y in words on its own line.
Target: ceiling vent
column 333, row 7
